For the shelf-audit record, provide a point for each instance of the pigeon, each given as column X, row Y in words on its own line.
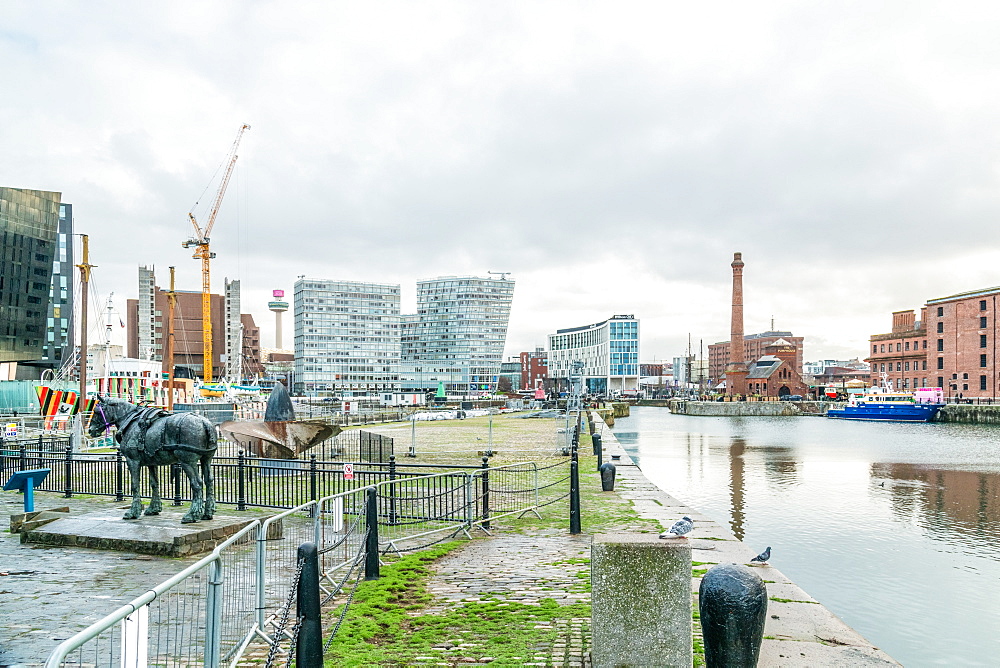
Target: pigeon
column 762, row 557
column 680, row 528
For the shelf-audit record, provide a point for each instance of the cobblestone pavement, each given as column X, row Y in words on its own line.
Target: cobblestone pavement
column 51, row 593
column 522, row 568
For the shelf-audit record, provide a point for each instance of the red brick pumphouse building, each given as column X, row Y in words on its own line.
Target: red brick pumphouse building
column 953, row 346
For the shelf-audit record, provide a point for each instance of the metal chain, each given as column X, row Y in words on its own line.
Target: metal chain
column 347, row 604
column 284, row 615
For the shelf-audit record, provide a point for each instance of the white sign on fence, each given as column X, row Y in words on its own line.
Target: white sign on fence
column 348, row 471
column 135, row 639
column 10, row 430
column 337, row 513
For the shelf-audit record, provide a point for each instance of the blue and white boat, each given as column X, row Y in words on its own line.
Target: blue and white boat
column 886, row 404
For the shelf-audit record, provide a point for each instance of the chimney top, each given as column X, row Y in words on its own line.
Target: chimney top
column 737, row 259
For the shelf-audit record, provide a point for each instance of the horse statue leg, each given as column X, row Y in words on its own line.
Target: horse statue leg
column 155, row 503
column 197, row 510
column 209, row 480
column 134, row 470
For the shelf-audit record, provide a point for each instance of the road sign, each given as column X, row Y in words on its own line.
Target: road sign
column 348, row 471
column 10, row 430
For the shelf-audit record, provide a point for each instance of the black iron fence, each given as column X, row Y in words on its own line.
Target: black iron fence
column 246, row 481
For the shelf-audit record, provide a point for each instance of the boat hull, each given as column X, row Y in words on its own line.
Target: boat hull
column 886, row 412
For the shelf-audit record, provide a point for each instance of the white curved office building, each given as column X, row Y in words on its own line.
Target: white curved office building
column 609, row 351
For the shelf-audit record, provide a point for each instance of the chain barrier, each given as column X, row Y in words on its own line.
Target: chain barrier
column 393, row 547
column 358, row 558
column 558, row 498
column 350, row 532
column 286, row 609
column 343, row 613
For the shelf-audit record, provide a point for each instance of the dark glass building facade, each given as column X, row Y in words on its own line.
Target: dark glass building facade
column 29, row 228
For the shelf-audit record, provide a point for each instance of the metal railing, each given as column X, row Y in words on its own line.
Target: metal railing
column 243, row 591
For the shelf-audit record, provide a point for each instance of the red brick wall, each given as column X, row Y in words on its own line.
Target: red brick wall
column 967, row 331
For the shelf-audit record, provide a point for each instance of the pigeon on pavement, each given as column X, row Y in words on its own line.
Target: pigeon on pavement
column 680, row 529
column 762, row 557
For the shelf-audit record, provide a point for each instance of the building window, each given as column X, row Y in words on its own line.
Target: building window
column 940, row 311
column 940, row 344
column 874, row 349
column 899, row 347
column 907, row 347
column 925, row 344
column 982, row 322
column 940, row 328
column 982, row 340
column 940, row 363
column 982, row 361
column 899, row 366
column 924, row 365
column 883, row 368
column 941, row 382
column 982, row 305
column 965, row 386
column 982, row 382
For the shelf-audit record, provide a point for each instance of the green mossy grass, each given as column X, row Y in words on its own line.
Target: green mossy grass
column 385, row 626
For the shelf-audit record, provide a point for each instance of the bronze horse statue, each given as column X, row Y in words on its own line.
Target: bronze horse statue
column 152, row 437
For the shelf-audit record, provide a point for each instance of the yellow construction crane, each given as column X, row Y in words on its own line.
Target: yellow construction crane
column 200, row 241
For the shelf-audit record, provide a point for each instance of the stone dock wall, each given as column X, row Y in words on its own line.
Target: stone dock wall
column 799, row 630
column 749, row 408
column 969, row 414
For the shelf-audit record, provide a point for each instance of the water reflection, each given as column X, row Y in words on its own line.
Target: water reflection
column 941, row 501
column 895, row 527
column 736, row 450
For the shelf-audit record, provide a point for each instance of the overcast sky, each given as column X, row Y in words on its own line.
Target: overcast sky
column 612, row 155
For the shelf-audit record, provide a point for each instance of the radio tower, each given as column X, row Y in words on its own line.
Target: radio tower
column 279, row 306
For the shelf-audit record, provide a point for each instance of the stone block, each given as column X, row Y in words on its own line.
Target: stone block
column 38, row 517
column 641, row 601
column 162, row 535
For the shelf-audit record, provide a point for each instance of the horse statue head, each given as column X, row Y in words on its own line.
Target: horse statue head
column 107, row 412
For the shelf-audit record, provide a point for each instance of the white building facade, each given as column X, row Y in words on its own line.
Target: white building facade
column 609, row 351
column 347, row 337
column 457, row 336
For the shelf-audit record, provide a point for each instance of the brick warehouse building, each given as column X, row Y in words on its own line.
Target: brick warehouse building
column 902, row 353
column 753, row 349
column 956, row 339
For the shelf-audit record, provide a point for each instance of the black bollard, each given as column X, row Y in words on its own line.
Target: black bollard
column 733, row 604
column 309, row 648
column 607, row 477
column 596, row 440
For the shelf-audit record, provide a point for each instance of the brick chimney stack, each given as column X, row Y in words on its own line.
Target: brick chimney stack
column 736, row 370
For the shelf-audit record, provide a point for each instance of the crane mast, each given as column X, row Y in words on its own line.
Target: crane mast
column 202, row 251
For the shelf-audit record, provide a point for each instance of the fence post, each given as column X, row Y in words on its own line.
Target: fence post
column 371, row 544
column 213, row 615
column 69, row 470
column 119, row 476
column 312, row 481
column 486, row 493
column 261, row 573
column 24, row 458
column 175, row 471
column 392, row 490
column 309, row 648
column 574, row 494
column 241, row 488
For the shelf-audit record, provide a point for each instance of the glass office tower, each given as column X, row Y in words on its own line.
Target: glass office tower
column 457, row 336
column 346, row 337
column 29, row 224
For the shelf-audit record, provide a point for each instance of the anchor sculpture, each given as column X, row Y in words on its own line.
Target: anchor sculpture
column 279, row 435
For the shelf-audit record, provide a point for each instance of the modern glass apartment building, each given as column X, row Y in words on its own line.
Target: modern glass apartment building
column 29, row 225
column 609, row 351
column 347, row 337
column 457, row 335
column 59, row 343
